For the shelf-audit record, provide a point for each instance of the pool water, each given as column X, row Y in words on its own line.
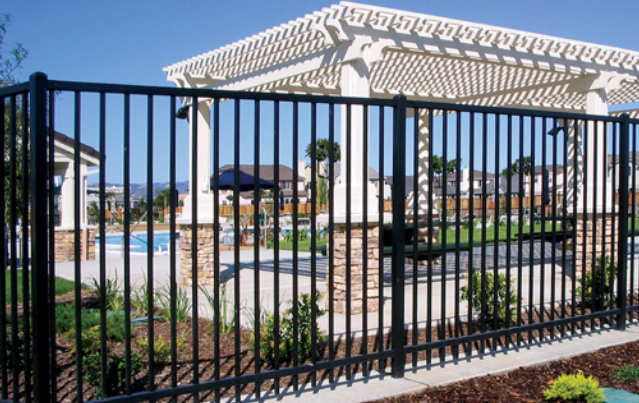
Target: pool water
column 138, row 242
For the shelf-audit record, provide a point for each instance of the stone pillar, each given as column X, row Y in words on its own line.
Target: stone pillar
column 359, row 286
column 64, row 240
column 204, row 243
column 596, row 238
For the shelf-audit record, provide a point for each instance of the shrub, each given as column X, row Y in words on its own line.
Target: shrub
column 115, row 375
column 305, row 328
column 492, row 296
column 19, row 347
column 182, row 304
column 626, row 373
column 112, row 289
column 161, row 348
column 65, row 323
column 575, row 388
column 226, row 321
column 140, row 300
column 596, row 287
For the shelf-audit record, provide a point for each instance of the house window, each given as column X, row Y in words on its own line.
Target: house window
column 286, row 185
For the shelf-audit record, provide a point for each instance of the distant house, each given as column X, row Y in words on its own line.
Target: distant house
column 286, row 184
column 382, row 186
column 473, row 183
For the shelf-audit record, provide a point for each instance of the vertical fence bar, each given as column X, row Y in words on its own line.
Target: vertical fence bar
column 380, row 313
column 194, row 255
column 102, row 262
column 456, row 223
column 331, row 239
column 444, row 230
column 415, row 208
column 24, row 253
column 4, row 371
column 39, row 228
column 51, row 242
column 172, row 241
column 127, row 241
column 471, row 227
column 484, row 228
column 622, row 291
column 76, row 253
column 314, row 197
column 216, row 249
column 276, row 239
column 346, row 172
column 431, row 203
column 296, row 306
column 149, row 230
column 256, row 238
column 399, row 216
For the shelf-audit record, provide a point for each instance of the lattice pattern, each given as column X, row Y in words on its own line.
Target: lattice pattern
column 422, row 56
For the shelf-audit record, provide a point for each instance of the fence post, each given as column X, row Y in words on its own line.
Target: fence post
column 399, row 216
column 39, row 236
column 622, row 248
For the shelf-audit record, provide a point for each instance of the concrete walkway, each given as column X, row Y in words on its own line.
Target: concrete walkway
column 380, row 386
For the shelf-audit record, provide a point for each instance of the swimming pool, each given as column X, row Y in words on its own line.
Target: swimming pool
column 138, row 241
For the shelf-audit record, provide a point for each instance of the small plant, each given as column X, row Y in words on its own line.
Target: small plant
column 575, row 388
column 596, row 287
column 19, row 347
column 65, row 323
column 491, row 296
column 305, row 329
column 226, row 321
column 182, row 304
column 140, row 300
column 626, row 373
column 112, row 289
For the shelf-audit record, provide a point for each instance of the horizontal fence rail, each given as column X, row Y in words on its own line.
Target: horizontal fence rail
column 166, row 244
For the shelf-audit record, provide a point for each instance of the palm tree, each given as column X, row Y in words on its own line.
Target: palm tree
column 524, row 166
column 322, row 153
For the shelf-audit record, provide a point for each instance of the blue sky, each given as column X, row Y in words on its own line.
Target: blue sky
column 131, row 41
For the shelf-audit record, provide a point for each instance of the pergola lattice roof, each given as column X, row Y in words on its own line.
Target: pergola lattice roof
column 422, row 56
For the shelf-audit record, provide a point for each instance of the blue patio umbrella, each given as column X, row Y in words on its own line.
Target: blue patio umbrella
column 246, row 181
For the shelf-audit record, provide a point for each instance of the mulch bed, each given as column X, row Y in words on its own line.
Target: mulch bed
column 523, row 385
column 527, row 383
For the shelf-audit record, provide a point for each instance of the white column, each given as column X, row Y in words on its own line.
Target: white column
column 423, row 165
column 575, row 152
column 355, row 78
column 67, row 192
column 203, row 186
column 596, row 159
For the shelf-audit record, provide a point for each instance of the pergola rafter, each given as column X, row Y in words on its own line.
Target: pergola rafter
column 359, row 50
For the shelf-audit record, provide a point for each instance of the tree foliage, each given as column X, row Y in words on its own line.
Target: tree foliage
column 451, row 165
column 322, row 154
column 10, row 61
column 522, row 165
column 10, row 64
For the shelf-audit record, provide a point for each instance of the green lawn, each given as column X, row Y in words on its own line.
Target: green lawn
column 464, row 232
column 62, row 286
column 303, row 246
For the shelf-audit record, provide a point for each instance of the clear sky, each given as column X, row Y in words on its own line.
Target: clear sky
column 129, row 42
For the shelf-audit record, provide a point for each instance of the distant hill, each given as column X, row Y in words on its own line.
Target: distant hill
column 139, row 189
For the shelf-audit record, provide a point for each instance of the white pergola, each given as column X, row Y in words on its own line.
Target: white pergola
column 64, row 167
column 360, row 50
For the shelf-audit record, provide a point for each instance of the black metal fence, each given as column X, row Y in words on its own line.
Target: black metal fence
column 159, row 308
